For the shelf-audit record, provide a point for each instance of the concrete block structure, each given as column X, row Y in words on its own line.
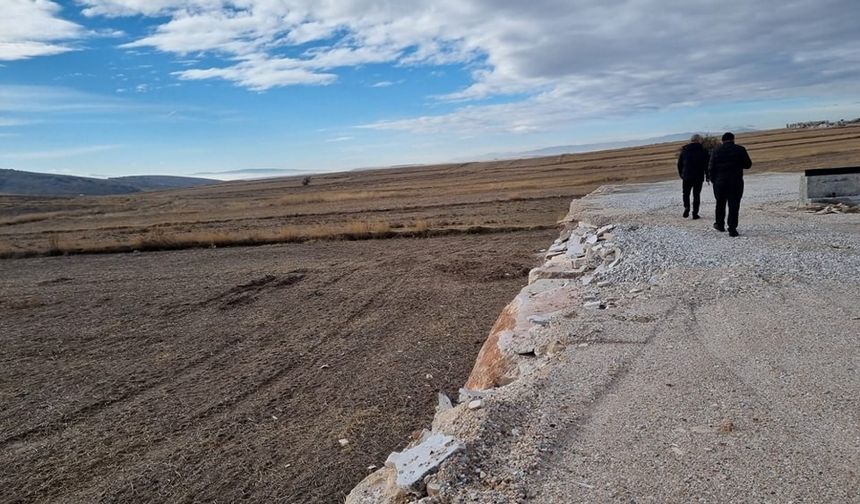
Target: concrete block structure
column 831, row 185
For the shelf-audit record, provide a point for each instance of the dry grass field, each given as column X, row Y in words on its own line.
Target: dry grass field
column 454, row 198
column 228, row 374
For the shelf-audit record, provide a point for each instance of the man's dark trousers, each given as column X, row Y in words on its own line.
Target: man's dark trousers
column 730, row 194
column 696, row 187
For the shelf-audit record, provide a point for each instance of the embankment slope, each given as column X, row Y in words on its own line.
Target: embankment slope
column 717, row 369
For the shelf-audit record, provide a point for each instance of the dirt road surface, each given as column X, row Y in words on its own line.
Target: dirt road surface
column 229, row 375
column 724, row 370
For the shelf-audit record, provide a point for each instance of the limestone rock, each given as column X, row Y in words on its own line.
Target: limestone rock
column 575, row 248
column 605, row 229
column 468, row 395
column 433, row 488
column 444, row 403
column 377, row 488
column 558, row 247
column 413, row 464
column 492, row 367
column 541, row 320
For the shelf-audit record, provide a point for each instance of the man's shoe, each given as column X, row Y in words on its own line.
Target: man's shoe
column 719, row 228
column 686, row 212
column 733, row 232
column 696, row 216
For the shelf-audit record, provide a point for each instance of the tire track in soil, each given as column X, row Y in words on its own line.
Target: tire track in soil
column 90, row 410
column 85, row 471
column 221, row 409
column 131, row 452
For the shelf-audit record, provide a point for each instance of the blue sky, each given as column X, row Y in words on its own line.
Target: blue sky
column 117, row 87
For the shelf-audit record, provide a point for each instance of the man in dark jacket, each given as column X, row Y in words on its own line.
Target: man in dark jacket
column 726, row 170
column 692, row 168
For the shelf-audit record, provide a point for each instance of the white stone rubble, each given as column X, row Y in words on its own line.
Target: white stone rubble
column 577, row 251
column 582, row 252
column 412, row 464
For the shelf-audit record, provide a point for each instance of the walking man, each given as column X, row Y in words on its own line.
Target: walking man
column 692, row 168
column 726, row 171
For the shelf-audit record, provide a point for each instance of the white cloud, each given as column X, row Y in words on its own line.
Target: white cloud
column 52, row 104
column 15, row 99
column 556, row 61
column 386, row 83
column 59, row 153
column 260, row 73
column 31, row 28
column 116, row 8
column 7, row 122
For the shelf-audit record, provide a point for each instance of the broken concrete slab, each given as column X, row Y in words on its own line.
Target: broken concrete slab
column 605, row 229
column 412, row 464
column 377, row 488
column 541, row 320
column 444, row 402
column 466, row 395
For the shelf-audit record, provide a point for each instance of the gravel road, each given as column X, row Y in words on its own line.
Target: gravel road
column 724, row 370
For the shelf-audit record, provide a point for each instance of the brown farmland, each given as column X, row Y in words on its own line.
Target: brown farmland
column 227, row 374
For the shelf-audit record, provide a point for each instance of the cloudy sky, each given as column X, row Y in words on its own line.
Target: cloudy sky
column 113, row 87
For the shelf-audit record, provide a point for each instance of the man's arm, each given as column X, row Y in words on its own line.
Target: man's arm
column 746, row 162
column 709, row 170
column 681, row 164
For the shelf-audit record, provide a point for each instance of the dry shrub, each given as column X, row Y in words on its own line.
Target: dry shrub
column 421, row 225
column 54, row 247
column 157, row 238
column 7, row 250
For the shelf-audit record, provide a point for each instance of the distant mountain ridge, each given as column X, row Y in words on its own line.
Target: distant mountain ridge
column 159, row 182
column 16, row 182
column 577, row 148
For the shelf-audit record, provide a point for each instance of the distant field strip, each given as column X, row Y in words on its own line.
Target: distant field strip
column 159, row 239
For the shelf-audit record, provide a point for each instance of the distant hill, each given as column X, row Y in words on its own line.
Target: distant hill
column 574, row 149
column 158, row 182
column 47, row 184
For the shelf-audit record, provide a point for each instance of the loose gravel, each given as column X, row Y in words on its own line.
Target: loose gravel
column 723, row 369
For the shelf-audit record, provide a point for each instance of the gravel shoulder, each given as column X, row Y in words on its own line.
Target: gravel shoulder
column 723, row 369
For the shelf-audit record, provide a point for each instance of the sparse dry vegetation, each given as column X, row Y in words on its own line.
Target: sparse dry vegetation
column 161, row 238
column 429, row 200
column 54, row 247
